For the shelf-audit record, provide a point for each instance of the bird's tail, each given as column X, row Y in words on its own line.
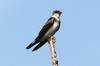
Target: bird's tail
column 39, row 45
column 30, row 45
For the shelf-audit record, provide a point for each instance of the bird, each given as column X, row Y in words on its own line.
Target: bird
column 49, row 29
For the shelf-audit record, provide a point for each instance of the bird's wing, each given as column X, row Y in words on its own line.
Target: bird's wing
column 47, row 25
column 45, row 28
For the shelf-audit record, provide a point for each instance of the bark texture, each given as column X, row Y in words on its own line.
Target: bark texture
column 52, row 41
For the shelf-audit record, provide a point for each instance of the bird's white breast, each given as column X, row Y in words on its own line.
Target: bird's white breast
column 52, row 30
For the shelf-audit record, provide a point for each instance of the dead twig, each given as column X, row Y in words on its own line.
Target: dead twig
column 52, row 41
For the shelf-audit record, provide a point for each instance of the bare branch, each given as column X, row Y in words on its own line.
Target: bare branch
column 52, row 41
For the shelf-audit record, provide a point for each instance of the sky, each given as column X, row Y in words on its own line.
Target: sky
column 77, row 41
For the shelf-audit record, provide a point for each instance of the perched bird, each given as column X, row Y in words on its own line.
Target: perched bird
column 49, row 29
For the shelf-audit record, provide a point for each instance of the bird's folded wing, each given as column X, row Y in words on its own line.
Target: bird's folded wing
column 46, row 27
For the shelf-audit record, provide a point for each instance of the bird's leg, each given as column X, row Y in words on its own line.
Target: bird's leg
column 53, row 38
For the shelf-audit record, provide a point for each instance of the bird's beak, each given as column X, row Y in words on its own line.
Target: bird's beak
column 60, row 12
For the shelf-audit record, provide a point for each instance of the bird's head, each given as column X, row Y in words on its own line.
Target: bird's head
column 56, row 13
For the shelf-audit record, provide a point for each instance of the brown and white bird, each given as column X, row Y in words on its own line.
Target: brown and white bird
column 49, row 29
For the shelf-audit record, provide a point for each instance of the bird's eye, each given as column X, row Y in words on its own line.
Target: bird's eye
column 56, row 12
